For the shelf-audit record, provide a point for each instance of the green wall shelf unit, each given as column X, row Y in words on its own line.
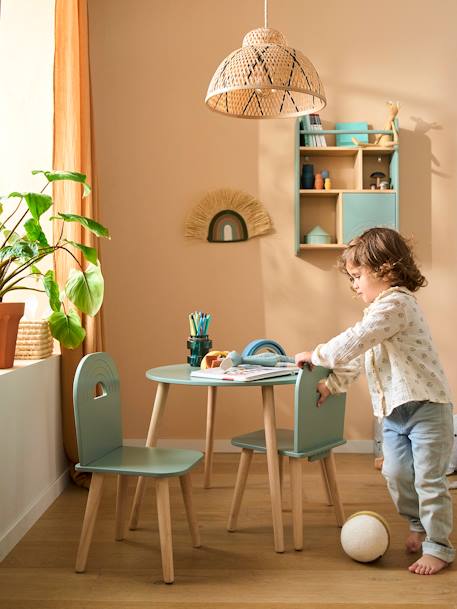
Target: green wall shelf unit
column 350, row 206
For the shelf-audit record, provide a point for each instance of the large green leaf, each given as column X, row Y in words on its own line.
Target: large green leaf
column 37, row 203
column 52, row 290
column 35, row 232
column 85, row 289
column 67, row 329
column 21, row 250
column 88, row 223
column 90, row 253
column 74, row 176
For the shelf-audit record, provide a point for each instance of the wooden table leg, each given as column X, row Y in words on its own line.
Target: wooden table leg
column 210, row 417
column 151, row 440
column 273, row 465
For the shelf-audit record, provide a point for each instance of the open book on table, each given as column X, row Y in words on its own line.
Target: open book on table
column 244, row 372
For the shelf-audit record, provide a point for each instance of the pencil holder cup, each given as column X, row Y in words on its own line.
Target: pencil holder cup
column 198, row 347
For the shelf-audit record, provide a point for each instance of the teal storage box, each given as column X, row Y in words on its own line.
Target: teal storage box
column 345, row 139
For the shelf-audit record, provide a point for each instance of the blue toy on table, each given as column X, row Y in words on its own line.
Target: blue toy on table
column 262, row 359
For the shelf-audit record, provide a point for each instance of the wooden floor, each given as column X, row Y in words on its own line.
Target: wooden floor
column 231, row 569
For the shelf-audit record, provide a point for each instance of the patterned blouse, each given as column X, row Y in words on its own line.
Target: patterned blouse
column 400, row 360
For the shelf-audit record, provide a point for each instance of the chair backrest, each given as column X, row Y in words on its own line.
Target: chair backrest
column 97, row 417
column 316, row 427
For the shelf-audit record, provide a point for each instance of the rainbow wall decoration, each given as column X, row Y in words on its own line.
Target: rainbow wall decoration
column 227, row 225
column 227, row 216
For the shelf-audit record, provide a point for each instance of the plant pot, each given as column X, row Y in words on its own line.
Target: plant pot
column 10, row 314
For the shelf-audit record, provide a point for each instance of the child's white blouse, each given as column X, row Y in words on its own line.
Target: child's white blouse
column 400, row 360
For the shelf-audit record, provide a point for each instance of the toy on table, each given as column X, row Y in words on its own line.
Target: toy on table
column 228, row 359
column 213, row 359
column 259, row 352
column 365, row 536
column 261, row 359
column 384, row 139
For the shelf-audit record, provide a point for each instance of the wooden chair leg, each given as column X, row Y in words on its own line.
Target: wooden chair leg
column 164, row 518
column 240, row 484
column 121, row 507
column 328, row 492
column 151, row 440
column 296, row 487
column 186, row 489
column 329, row 464
column 282, row 466
column 137, row 501
column 90, row 516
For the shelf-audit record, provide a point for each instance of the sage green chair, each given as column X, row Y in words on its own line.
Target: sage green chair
column 317, row 430
column 97, row 408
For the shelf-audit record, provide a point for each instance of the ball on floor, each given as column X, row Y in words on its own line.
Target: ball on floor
column 365, row 536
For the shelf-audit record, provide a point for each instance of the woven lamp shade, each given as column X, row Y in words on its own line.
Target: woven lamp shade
column 265, row 79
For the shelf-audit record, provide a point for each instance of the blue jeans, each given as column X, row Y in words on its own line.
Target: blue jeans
column 418, row 439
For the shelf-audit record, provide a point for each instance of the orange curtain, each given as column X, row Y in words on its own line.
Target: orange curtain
column 73, row 151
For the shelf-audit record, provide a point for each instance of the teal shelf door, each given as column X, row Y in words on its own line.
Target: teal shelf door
column 365, row 210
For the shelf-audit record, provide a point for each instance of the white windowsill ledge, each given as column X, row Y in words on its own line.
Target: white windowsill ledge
column 20, row 364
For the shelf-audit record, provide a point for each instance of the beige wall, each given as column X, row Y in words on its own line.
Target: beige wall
column 159, row 149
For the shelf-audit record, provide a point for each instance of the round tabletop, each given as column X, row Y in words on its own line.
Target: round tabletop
column 179, row 374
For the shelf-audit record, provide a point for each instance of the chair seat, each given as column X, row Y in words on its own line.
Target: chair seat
column 285, row 440
column 144, row 461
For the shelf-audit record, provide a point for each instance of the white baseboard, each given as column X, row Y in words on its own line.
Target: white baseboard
column 224, row 446
column 31, row 515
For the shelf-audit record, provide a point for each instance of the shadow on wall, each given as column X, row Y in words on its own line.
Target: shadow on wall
column 416, row 168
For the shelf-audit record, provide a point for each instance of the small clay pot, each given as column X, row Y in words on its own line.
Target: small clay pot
column 10, row 314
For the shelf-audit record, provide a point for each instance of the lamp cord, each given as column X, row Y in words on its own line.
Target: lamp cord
column 266, row 14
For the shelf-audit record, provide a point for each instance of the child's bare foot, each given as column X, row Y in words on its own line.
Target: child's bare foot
column 427, row 565
column 414, row 541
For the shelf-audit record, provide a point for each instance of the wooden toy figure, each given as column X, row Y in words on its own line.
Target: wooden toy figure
column 318, row 181
column 384, row 139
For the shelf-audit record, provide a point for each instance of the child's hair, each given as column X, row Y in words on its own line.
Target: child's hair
column 387, row 254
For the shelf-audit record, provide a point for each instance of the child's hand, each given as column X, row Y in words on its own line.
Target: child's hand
column 304, row 358
column 323, row 391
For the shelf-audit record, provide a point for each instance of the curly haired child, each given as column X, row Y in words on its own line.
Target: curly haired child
column 407, row 385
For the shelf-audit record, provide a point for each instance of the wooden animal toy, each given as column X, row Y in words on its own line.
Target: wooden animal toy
column 383, row 139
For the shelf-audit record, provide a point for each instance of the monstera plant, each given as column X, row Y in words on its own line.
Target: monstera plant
column 23, row 245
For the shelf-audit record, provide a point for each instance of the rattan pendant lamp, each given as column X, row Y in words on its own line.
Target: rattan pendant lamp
column 265, row 79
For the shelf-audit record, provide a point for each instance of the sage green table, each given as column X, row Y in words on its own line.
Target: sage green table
column 179, row 374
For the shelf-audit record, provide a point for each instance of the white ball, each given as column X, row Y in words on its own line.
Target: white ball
column 365, row 536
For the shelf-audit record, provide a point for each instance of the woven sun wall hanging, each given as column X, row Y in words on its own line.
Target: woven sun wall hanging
column 226, row 216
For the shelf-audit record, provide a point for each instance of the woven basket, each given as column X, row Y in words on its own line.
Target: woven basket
column 34, row 340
